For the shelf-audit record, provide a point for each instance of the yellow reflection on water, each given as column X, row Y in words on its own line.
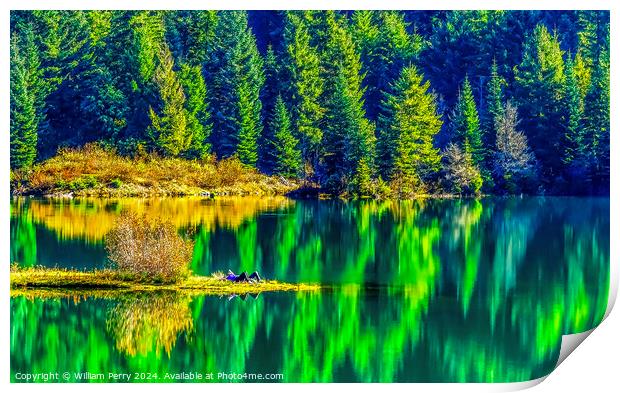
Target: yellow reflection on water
column 92, row 219
column 145, row 323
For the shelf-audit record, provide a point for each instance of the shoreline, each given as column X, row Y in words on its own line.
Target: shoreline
column 25, row 280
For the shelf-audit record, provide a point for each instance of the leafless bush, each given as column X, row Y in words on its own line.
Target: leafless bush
column 150, row 249
column 461, row 175
column 513, row 153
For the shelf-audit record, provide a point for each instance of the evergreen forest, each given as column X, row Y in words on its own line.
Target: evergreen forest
column 358, row 103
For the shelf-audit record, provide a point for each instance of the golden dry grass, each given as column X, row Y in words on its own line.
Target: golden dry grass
column 97, row 171
column 57, row 281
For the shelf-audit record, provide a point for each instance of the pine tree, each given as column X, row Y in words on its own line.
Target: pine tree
column 349, row 135
column 465, row 43
column 539, row 90
column 61, row 39
column 272, row 89
column 386, row 46
column 235, row 72
column 410, row 122
column 249, row 124
column 191, row 35
column 132, row 51
column 583, row 74
column 466, row 124
column 574, row 133
column 103, row 105
column 597, row 123
column 24, row 117
column 287, row 153
column 148, row 38
column 100, row 24
column 169, row 124
column 64, row 39
column 302, row 69
column 495, row 103
column 196, row 104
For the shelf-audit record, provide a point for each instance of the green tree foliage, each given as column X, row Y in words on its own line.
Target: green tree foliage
column 465, row 43
column 169, row 124
column 271, row 91
column 597, row 122
column 574, row 134
column 301, row 63
column 191, row 34
column 466, row 124
column 61, row 39
column 407, row 129
column 236, row 71
column 190, row 83
column 539, row 88
column 349, row 135
column 495, row 103
column 386, row 46
column 287, row 153
column 196, row 104
column 25, row 78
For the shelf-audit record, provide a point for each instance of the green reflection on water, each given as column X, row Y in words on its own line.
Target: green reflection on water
column 451, row 290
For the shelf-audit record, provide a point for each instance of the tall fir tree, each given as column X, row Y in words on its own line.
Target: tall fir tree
column 574, row 131
column 350, row 136
column 235, row 72
column 466, row 124
column 407, row 128
column 191, row 34
column 302, row 69
column 134, row 46
column 286, row 150
column 597, row 123
column 196, row 104
column 583, row 74
column 25, row 77
column 539, row 89
column 272, row 89
column 169, row 123
column 386, row 46
column 495, row 104
column 103, row 105
column 65, row 53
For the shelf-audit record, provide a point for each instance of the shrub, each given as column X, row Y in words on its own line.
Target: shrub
column 83, row 182
column 149, row 249
column 461, row 175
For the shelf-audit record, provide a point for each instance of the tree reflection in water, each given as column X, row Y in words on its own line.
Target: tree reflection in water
column 435, row 290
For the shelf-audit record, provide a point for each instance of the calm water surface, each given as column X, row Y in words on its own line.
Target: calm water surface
column 435, row 290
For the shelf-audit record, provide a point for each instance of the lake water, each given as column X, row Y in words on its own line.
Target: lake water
column 418, row 291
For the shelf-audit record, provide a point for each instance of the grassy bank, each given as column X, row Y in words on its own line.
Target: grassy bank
column 41, row 279
column 97, row 171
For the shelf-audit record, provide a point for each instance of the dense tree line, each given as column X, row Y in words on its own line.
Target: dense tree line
column 360, row 102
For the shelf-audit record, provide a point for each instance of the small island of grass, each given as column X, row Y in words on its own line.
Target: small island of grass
column 108, row 280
